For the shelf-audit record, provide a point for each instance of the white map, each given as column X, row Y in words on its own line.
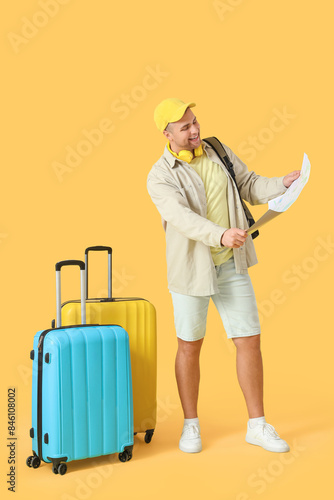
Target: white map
column 282, row 203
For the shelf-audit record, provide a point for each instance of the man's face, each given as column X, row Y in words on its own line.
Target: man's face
column 184, row 134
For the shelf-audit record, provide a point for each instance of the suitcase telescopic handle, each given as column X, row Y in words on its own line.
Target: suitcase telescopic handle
column 82, row 266
column 100, row 248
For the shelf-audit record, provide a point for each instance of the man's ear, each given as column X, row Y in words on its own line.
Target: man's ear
column 167, row 134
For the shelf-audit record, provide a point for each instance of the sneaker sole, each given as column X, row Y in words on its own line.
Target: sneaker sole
column 267, row 448
column 190, row 451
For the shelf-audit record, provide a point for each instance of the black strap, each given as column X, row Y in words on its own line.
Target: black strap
column 223, row 156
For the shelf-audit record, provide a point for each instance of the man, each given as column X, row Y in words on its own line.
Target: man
column 208, row 254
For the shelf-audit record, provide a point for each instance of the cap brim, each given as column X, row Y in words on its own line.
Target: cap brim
column 180, row 112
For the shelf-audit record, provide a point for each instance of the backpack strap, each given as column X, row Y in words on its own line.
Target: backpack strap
column 223, row 156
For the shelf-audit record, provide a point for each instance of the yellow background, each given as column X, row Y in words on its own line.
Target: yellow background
column 241, row 61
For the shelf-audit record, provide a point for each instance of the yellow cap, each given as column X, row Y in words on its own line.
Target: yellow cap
column 169, row 111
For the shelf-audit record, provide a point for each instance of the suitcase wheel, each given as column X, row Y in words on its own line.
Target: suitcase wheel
column 125, row 456
column 149, row 435
column 62, row 468
column 33, row 461
column 59, row 469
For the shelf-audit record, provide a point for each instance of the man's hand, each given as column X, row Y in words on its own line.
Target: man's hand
column 234, row 238
column 288, row 179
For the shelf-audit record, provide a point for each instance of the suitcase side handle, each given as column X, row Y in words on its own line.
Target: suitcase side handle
column 100, row 248
column 82, row 267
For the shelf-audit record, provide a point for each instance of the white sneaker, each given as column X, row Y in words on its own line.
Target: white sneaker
column 190, row 441
column 265, row 435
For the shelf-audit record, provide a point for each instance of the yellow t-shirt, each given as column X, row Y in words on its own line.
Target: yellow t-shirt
column 215, row 184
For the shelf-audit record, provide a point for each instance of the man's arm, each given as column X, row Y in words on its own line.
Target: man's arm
column 254, row 188
column 173, row 208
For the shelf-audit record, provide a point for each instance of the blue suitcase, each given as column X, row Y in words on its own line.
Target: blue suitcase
column 81, row 390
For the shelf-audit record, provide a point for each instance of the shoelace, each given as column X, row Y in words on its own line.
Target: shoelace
column 191, row 431
column 269, row 430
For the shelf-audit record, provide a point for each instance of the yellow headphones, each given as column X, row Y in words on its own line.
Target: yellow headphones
column 186, row 155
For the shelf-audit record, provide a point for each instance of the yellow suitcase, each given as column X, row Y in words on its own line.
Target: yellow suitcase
column 138, row 317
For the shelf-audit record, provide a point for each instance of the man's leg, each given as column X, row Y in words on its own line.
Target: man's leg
column 190, row 314
column 250, row 376
column 237, row 307
column 187, row 376
column 250, row 373
column 187, row 373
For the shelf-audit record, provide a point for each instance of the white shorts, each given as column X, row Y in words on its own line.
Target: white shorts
column 235, row 303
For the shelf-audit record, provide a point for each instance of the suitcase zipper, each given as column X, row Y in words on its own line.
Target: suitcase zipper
column 39, row 391
column 102, row 299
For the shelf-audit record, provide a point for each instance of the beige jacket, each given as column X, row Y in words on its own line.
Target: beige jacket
column 179, row 195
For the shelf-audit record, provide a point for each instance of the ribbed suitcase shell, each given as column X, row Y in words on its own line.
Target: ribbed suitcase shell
column 85, row 393
column 138, row 318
